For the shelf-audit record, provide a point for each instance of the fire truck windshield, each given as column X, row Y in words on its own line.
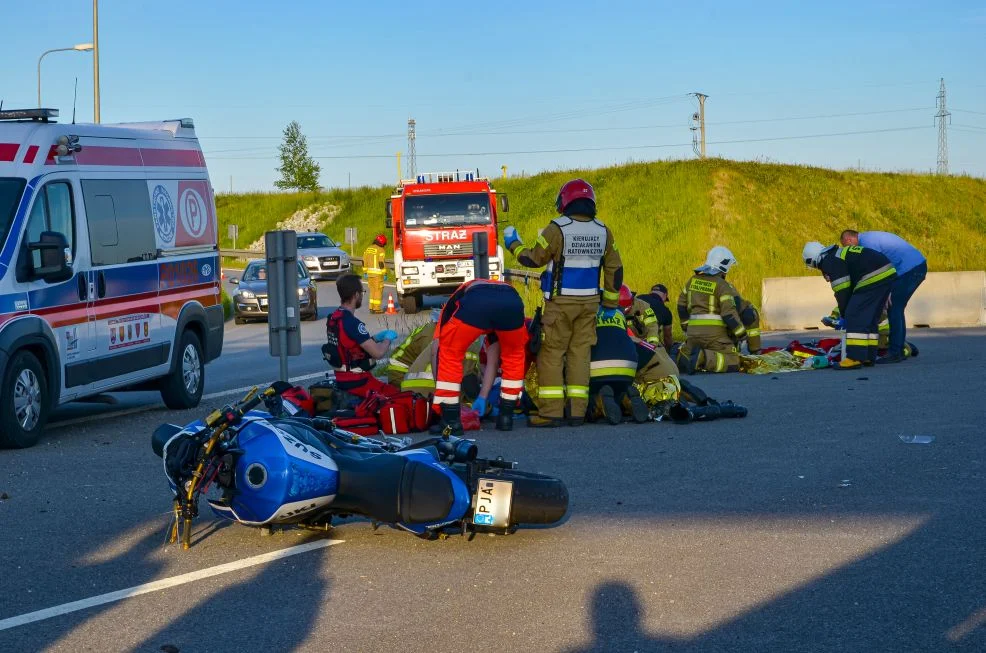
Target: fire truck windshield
column 10, row 195
column 453, row 210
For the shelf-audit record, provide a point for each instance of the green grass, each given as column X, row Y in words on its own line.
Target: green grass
column 666, row 215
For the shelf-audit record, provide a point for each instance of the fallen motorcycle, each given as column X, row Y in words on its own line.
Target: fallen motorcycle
column 260, row 470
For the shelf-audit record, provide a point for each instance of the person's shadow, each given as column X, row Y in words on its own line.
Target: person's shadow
column 616, row 622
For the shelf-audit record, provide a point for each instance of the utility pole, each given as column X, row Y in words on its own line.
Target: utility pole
column 698, row 126
column 942, row 130
column 95, row 61
column 398, row 167
column 504, row 169
column 412, row 164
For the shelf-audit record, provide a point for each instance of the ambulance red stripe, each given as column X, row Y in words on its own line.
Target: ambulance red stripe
column 99, row 155
column 31, row 153
column 8, row 151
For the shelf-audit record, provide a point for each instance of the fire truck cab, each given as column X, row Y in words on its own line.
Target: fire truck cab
column 433, row 219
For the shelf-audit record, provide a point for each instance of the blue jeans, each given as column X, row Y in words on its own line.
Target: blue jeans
column 904, row 287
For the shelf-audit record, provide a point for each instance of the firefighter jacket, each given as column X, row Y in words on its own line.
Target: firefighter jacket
column 850, row 269
column 373, row 260
column 707, row 306
column 614, row 356
column 575, row 250
column 643, row 322
column 413, row 345
column 749, row 315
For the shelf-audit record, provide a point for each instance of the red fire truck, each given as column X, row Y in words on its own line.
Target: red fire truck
column 433, row 218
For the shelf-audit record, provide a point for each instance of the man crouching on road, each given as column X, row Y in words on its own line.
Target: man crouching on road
column 350, row 350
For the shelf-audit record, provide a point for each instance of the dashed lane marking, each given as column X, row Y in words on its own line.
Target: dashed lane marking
column 163, row 584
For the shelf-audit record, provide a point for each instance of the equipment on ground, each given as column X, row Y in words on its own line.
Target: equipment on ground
column 434, row 217
column 260, row 470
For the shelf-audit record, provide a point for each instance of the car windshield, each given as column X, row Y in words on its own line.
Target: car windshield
column 315, row 241
column 258, row 272
column 454, row 210
column 10, row 195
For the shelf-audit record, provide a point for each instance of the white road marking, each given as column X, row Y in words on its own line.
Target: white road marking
column 141, row 409
column 163, row 584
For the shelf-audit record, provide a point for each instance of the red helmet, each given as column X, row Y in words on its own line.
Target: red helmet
column 626, row 297
column 573, row 190
column 380, row 240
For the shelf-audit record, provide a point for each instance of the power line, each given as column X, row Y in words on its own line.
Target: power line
column 978, row 113
column 607, row 148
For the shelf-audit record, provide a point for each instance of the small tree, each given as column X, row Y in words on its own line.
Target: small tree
column 298, row 170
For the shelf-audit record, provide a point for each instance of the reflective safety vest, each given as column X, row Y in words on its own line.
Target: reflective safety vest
column 576, row 273
column 614, row 356
column 374, row 258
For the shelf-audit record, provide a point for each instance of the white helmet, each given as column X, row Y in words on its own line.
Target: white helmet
column 719, row 259
column 812, row 253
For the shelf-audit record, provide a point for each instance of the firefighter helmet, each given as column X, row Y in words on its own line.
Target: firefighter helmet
column 626, row 297
column 720, row 258
column 812, row 253
column 380, row 240
column 573, row 190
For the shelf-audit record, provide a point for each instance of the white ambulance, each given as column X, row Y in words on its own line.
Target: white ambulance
column 109, row 268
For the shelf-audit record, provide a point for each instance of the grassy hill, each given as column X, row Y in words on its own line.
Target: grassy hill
column 666, row 215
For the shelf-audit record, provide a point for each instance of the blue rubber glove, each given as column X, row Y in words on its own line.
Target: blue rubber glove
column 479, row 405
column 840, row 324
column 387, row 334
column 510, row 237
column 607, row 313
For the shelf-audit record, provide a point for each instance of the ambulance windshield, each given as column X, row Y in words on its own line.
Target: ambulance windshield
column 454, row 210
column 10, row 195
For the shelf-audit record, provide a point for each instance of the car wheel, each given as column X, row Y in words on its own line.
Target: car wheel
column 183, row 387
column 410, row 303
column 314, row 314
column 24, row 402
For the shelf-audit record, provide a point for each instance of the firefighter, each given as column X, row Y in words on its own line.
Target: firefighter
column 751, row 321
column 657, row 299
column 861, row 279
column 477, row 308
column 612, row 370
column 420, row 375
column 709, row 317
column 407, row 352
column 575, row 247
column 350, row 350
column 640, row 317
column 374, row 269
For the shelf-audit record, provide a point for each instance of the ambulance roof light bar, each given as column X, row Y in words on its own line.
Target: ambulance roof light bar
column 42, row 115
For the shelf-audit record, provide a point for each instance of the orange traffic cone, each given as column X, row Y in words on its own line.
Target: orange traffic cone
column 391, row 309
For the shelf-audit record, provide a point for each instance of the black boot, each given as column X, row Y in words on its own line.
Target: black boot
column 505, row 420
column 706, row 413
column 729, row 409
column 679, row 413
column 451, row 423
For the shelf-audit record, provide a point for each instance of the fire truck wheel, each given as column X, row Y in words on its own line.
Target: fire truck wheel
column 24, row 402
column 410, row 303
column 183, row 387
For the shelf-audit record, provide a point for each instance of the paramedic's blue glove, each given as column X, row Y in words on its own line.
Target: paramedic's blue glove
column 607, row 313
column 510, row 237
column 479, row 405
column 387, row 334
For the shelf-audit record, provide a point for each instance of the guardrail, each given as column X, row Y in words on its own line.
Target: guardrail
column 525, row 275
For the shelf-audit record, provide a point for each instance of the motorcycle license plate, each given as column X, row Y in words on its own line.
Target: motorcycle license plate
column 492, row 503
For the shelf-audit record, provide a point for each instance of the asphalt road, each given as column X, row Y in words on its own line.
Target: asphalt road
column 807, row 526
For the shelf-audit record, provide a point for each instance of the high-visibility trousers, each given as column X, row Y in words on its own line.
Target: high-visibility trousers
column 454, row 341
column 712, row 351
column 863, row 321
column 375, row 281
column 569, row 330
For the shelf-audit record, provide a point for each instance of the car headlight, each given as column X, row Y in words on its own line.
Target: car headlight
column 494, row 266
column 301, row 292
column 246, row 294
column 344, row 258
column 310, row 259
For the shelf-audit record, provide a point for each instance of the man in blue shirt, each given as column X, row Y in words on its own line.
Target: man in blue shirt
column 911, row 268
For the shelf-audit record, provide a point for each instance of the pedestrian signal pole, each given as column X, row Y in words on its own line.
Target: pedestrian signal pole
column 283, row 319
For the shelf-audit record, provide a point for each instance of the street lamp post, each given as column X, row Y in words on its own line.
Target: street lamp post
column 81, row 47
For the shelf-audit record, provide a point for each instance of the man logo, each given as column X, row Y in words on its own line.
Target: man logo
column 194, row 216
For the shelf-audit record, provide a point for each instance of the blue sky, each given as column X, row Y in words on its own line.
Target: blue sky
column 511, row 83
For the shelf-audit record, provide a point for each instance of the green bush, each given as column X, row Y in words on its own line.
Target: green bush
column 227, row 305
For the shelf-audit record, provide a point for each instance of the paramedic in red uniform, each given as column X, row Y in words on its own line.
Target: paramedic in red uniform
column 480, row 307
column 350, row 350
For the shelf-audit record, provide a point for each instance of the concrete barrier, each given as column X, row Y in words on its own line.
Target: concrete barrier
column 945, row 299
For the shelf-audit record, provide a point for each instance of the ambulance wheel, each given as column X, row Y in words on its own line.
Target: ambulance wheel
column 24, row 402
column 183, row 387
column 410, row 303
